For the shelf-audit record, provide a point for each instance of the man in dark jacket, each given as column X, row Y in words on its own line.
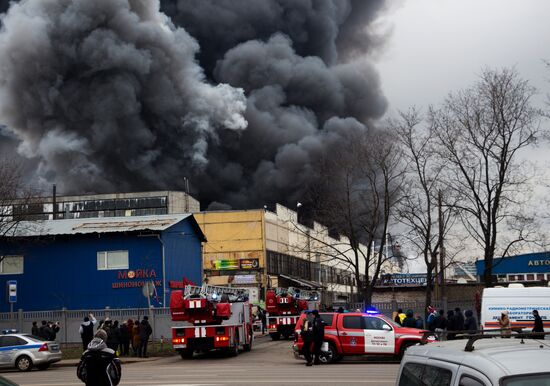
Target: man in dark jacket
column 98, row 365
column 470, row 323
column 124, row 339
column 145, row 332
column 54, row 329
column 539, row 325
column 409, row 320
column 451, row 325
column 318, row 336
column 307, row 336
column 459, row 319
column 86, row 330
column 44, row 332
column 35, row 331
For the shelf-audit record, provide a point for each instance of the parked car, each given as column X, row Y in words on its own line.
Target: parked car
column 24, row 352
column 357, row 333
column 487, row 362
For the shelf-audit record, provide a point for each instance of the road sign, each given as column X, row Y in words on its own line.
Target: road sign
column 12, row 291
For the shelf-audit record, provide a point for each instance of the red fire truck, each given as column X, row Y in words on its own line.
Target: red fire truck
column 211, row 318
column 284, row 306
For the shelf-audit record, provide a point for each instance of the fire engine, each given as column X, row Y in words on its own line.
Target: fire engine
column 211, row 318
column 284, row 306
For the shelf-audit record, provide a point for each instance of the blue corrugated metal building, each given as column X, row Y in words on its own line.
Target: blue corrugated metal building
column 526, row 267
column 93, row 263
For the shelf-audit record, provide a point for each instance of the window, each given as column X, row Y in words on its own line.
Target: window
column 416, row 374
column 353, row 322
column 112, row 260
column 11, row 265
column 530, row 276
column 540, row 276
column 7, row 341
column 327, row 318
column 374, row 323
column 467, row 380
column 520, row 277
column 527, row 380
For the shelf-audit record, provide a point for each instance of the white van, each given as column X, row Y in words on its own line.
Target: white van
column 519, row 302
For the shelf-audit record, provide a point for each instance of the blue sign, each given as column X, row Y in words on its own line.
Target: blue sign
column 12, row 291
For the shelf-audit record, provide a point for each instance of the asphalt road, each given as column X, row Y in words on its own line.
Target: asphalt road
column 269, row 363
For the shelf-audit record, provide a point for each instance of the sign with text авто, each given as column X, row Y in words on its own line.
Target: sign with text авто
column 403, row 280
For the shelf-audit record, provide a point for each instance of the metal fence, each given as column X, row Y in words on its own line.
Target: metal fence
column 160, row 318
column 70, row 320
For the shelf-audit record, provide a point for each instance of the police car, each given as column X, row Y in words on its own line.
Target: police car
column 24, row 352
column 484, row 360
column 361, row 333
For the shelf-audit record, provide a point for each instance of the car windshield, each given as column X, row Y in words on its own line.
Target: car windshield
column 527, row 380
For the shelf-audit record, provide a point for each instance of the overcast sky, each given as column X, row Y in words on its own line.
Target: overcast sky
column 441, row 45
column 438, row 46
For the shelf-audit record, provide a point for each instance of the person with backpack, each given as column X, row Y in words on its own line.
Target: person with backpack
column 86, row 330
column 99, row 365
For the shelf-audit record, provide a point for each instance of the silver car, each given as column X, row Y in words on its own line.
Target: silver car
column 24, row 352
column 487, row 362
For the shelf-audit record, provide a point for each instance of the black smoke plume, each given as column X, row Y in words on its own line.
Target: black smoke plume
column 240, row 96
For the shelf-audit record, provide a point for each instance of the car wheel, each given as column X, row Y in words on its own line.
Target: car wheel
column 43, row 366
column 186, row 353
column 404, row 347
column 275, row 335
column 248, row 347
column 23, row 363
column 329, row 356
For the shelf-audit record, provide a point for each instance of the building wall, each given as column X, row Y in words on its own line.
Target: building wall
column 61, row 271
column 233, row 237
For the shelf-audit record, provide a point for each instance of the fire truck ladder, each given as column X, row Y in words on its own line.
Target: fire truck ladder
column 215, row 292
column 192, row 291
column 303, row 294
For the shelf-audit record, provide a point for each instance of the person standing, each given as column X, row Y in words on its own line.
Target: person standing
column 307, row 336
column 504, row 323
column 35, row 331
column 440, row 324
column 409, row 320
column 99, row 365
column 124, row 339
column 318, row 336
column 459, row 319
column 431, row 318
column 86, row 330
column 54, row 329
column 419, row 323
column 451, row 325
column 135, row 338
column 114, row 338
column 399, row 317
column 145, row 332
column 264, row 320
column 44, row 331
column 539, row 326
column 470, row 323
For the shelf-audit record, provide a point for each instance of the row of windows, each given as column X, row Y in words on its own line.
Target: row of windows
column 14, row 265
column 281, row 264
column 524, row 277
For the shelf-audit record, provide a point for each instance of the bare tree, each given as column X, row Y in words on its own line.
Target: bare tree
column 479, row 133
column 427, row 223
column 355, row 196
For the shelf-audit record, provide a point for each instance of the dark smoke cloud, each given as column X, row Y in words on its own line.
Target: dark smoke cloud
column 114, row 99
column 107, row 94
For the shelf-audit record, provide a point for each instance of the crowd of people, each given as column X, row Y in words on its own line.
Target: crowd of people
column 46, row 331
column 446, row 325
column 120, row 336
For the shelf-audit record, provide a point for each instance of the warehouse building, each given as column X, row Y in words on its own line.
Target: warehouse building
column 529, row 267
column 94, row 263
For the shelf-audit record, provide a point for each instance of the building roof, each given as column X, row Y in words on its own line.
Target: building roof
column 103, row 225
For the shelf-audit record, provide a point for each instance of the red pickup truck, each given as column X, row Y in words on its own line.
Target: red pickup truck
column 356, row 333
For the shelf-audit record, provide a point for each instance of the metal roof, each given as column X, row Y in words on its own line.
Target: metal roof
column 98, row 225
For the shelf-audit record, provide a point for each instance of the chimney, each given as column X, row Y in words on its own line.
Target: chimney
column 54, row 203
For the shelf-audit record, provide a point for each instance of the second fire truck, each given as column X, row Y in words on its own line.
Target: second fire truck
column 284, row 306
column 211, row 318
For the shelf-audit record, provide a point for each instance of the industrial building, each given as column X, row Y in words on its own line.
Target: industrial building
column 103, row 205
column 529, row 267
column 93, row 263
column 262, row 249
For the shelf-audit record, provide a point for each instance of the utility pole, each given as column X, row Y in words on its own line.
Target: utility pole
column 441, row 244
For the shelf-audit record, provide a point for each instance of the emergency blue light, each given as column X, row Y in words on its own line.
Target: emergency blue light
column 214, row 296
column 371, row 310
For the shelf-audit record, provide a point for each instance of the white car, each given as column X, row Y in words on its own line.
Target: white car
column 24, row 351
column 492, row 361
